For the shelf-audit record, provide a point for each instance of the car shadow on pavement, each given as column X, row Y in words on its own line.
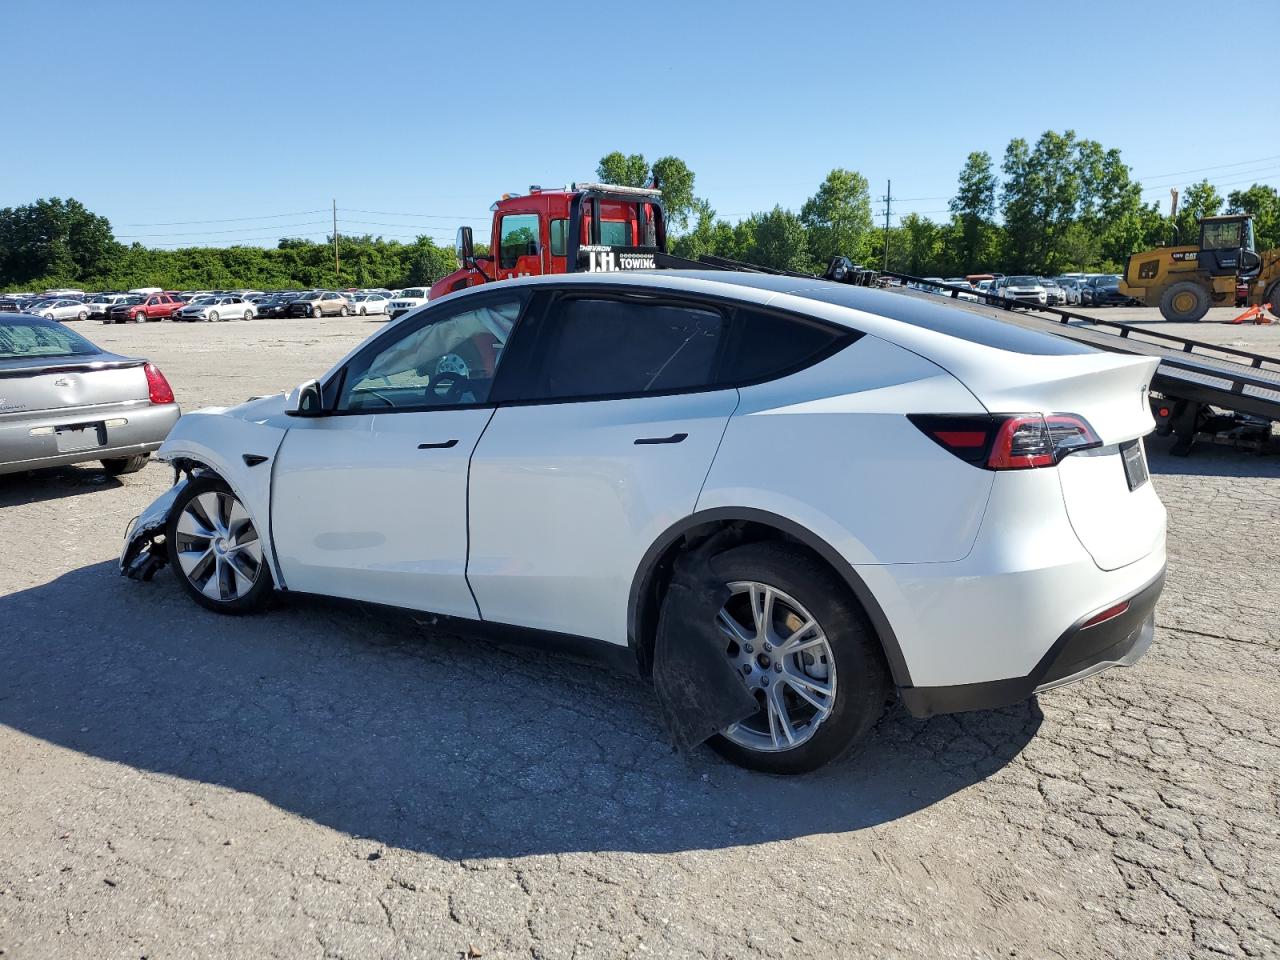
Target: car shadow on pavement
column 1211, row 460
column 378, row 725
column 54, row 484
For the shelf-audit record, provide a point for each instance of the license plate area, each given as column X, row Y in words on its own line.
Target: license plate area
column 80, row 436
column 1135, row 463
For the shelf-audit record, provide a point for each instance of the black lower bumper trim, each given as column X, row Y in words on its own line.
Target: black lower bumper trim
column 1078, row 653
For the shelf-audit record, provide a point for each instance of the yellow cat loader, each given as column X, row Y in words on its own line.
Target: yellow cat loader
column 1185, row 281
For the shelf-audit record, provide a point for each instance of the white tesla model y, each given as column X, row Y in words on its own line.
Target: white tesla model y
column 785, row 500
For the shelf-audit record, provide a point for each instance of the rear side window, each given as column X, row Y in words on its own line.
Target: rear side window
column 600, row 348
column 768, row 345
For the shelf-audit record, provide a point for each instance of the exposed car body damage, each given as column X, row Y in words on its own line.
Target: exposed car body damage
column 238, row 444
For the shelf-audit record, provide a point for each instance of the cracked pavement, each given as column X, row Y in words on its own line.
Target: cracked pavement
column 329, row 781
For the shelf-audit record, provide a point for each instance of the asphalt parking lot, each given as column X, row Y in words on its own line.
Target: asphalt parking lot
column 332, row 782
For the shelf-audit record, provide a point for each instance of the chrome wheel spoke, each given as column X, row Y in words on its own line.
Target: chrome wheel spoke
column 762, row 598
column 238, row 521
column 803, row 693
column 800, row 680
column 213, row 586
column 779, row 718
column 251, row 549
column 798, row 640
column 211, row 506
column 192, row 525
column 730, row 625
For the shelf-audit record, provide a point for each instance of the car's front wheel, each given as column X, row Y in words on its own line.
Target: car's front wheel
column 215, row 549
column 802, row 646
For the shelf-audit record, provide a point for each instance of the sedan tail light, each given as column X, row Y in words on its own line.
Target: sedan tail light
column 157, row 386
column 1009, row 441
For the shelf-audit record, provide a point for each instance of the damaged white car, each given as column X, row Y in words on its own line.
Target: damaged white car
column 785, row 500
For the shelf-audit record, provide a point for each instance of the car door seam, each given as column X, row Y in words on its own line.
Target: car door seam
column 271, row 513
column 723, row 430
column 466, row 563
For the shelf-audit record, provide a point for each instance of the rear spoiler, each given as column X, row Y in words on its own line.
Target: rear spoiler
column 83, row 367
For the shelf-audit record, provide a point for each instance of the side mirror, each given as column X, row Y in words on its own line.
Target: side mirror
column 464, row 247
column 305, row 400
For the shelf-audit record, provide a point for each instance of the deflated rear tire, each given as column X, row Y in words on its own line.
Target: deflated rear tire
column 215, row 550
column 804, row 648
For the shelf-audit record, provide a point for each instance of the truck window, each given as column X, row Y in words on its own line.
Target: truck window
column 614, row 233
column 559, row 230
column 1221, row 236
column 519, row 238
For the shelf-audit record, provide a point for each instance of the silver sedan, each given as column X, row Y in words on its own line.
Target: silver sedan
column 63, row 400
column 57, row 309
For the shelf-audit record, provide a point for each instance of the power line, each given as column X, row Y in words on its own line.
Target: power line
column 418, row 216
column 206, row 233
column 1241, row 163
column 265, row 216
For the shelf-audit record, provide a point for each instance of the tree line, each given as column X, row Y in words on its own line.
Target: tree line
column 1062, row 203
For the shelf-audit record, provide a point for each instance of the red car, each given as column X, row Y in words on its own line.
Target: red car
column 157, row 306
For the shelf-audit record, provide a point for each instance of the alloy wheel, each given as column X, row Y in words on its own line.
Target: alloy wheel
column 783, row 657
column 218, row 547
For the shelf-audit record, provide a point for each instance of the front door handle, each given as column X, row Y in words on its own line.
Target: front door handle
column 674, row 438
column 444, row 445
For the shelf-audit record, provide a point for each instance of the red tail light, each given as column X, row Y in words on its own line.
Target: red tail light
column 157, row 386
column 1108, row 614
column 1010, row 441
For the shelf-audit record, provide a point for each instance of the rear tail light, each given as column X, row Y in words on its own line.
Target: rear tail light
column 1108, row 614
column 1009, row 442
column 157, row 386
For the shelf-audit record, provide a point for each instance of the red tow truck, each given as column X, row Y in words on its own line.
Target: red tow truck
column 586, row 226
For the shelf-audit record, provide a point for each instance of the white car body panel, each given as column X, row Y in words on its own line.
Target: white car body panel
column 877, row 497
column 564, row 504
column 362, row 512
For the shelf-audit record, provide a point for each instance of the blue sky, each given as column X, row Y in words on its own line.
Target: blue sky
column 250, row 117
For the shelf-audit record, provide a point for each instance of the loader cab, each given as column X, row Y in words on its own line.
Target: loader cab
column 1227, row 246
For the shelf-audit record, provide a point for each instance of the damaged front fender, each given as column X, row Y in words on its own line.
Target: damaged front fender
column 144, row 550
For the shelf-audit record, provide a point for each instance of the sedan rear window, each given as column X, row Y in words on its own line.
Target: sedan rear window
column 37, row 338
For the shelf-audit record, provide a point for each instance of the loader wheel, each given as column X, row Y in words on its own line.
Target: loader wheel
column 1184, row 302
column 1273, row 298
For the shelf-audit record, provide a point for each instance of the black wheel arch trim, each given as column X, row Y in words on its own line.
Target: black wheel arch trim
column 880, row 623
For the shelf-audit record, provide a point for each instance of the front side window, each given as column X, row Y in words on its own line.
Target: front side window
column 625, row 347
column 519, row 238
column 559, row 232
column 444, row 362
column 1221, row 236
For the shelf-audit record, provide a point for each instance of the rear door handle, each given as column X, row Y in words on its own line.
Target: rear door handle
column 674, row 438
column 444, row 445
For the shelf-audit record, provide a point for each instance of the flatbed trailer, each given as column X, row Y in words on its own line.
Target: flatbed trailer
column 1200, row 390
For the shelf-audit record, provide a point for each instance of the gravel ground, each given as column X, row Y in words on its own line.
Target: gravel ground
column 325, row 782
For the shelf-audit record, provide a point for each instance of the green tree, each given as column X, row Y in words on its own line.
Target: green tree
column 53, row 238
column 838, row 217
column 1041, row 196
column 1198, row 200
column 972, row 209
column 1264, row 203
column 622, row 170
column 779, row 240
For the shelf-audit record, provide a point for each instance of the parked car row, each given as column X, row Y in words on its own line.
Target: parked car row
column 1093, row 290
column 151, row 304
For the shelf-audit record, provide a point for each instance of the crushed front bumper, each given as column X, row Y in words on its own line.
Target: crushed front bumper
column 144, row 551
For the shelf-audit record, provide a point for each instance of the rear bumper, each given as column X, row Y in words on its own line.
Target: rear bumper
column 146, row 427
column 1080, row 652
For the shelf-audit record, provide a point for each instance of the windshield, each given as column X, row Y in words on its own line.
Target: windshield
column 37, row 338
column 1022, row 281
column 415, row 292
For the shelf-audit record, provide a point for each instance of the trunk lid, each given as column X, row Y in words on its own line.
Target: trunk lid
column 1113, row 507
column 55, row 383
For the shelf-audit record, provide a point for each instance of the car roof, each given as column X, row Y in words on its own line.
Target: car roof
column 914, row 322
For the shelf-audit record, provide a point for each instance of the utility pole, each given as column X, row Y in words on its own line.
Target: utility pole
column 888, row 209
column 337, row 263
column 1173, row 213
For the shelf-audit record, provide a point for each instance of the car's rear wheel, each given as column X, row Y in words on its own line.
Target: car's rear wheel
column 115, row 466
column 1273, row 298
column 215, row 549
column 82, row 315
column 248, row 314
column 50, row 316
column 213, row 316
column 803, row 647
column 1184, row 302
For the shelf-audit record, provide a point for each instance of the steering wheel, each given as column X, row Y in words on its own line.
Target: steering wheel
column 447, row 387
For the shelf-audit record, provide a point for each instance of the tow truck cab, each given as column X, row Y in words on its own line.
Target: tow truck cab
column 588, row 226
